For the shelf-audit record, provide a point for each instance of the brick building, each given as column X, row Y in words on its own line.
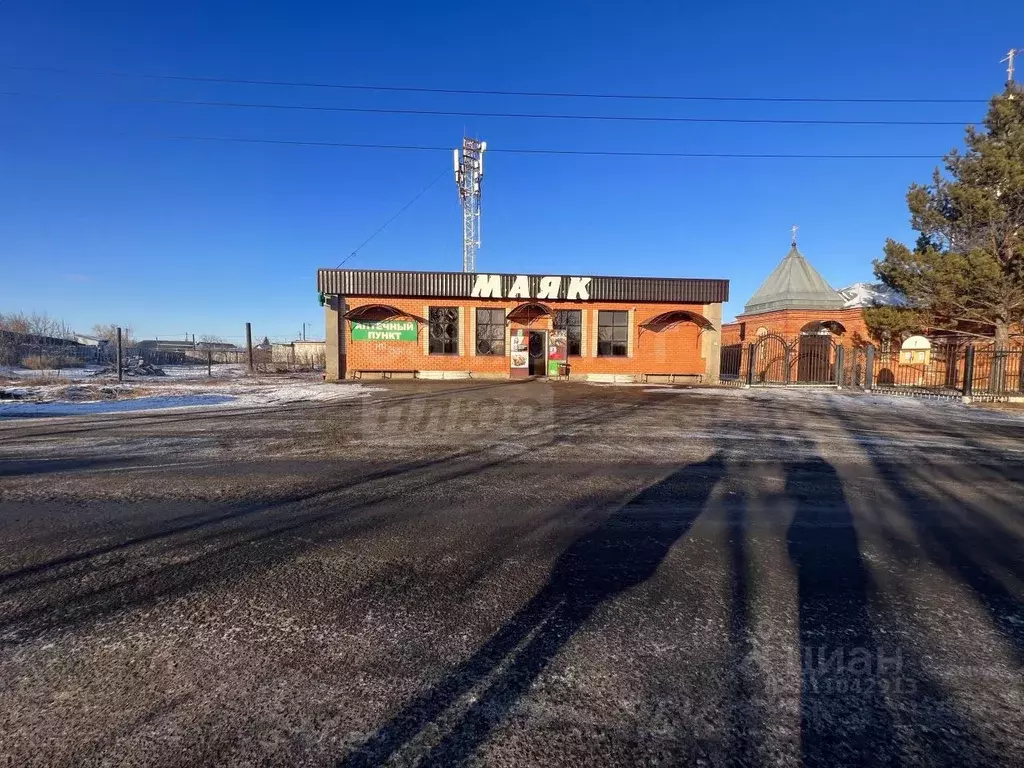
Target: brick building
column 455, row 324
column 794, row 300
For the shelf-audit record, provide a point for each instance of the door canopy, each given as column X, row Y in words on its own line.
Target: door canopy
column 525, row 314
column 667, row 320
column 370, row 313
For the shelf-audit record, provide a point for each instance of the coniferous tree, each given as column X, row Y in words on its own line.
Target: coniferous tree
column 965, row 274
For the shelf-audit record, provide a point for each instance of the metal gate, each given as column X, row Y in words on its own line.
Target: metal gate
column 807, row 359
column 731, row 361
column 815, row 359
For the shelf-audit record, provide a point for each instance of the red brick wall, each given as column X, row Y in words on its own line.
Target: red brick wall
column 674, row 350
column 788, row 322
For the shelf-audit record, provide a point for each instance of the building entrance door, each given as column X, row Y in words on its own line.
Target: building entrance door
column 538, row 353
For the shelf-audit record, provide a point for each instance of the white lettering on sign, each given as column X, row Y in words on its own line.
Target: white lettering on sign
column 579, row 288
column 520, row 288
column 549, row 287
column 489, row 287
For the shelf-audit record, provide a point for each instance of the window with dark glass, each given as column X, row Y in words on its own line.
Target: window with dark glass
column 571, row 321
column 444, row 330
column 490, row 331
column 612, row 334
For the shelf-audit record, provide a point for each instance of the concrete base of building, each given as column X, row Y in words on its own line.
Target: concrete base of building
column 438, row 375
column 611, row 378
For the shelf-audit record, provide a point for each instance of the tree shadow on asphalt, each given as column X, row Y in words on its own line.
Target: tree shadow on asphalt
column 928, row 718
column 621, row 553
column 967, row 542
column 198, row 521
column 26, row 467
column 277, row 528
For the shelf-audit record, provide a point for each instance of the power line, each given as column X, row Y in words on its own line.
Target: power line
column 533, row 151
column 469, row 113
column 581, row 152
column 492, row 92
column 401, row 210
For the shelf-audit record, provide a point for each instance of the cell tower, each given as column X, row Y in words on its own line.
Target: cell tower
column 469, row 172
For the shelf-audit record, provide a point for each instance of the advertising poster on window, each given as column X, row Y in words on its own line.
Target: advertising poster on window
column 557, row 351
column 520, row 352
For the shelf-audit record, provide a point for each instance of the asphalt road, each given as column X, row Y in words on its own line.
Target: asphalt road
column 516, row 574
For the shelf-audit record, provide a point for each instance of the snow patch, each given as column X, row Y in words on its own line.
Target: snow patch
column 861, row 295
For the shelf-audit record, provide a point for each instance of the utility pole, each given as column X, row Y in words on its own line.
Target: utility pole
column 248, row 343
column 120, row 368
column 1010, row 56
column 469, row 172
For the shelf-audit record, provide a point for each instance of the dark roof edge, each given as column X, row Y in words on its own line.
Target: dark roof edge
column 421, row 284
column 526, row 274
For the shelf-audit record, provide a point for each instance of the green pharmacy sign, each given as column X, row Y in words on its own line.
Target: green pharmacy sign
column 384, row 330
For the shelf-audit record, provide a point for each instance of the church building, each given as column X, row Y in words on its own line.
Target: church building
column 796, row 300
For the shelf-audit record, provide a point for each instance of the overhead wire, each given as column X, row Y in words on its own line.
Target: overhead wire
column 479, row 114
column 401, row 210
column 494, row 92
column 541, row 151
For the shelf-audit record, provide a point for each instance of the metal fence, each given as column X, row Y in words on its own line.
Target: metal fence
column 951, row 368
column 939, row 372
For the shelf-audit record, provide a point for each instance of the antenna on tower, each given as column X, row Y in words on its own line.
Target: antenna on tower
column 1010, row 56
column 469, row 172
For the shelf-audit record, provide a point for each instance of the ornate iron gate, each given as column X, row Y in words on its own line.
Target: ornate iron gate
column 807, row 359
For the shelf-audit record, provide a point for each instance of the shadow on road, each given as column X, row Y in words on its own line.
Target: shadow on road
column 624, row 551
column 844, row 717
column 968, row 540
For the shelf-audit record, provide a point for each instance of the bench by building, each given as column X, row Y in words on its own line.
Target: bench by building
column 455, row 324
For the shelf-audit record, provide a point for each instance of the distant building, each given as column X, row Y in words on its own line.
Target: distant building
column 216, row 346
column 796, row 300
column 91, row 341
column 162, row 345
column 312, row 354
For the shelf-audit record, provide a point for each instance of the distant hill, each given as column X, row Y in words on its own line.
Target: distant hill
column 871, row 295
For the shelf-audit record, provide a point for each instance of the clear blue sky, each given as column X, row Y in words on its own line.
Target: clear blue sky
column 100, row 221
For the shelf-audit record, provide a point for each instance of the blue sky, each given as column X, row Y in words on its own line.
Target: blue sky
column 102, row 221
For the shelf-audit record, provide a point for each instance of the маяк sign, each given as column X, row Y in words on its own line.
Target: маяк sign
column 489, row 287
column 384, row 330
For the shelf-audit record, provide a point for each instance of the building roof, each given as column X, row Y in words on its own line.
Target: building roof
column 872, row 295
column 793, row 284
column 387, row 283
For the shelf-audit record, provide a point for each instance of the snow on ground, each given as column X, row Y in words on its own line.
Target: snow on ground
column 159, row 393
column 48, row 373
column 198, row 372
column 93, row 371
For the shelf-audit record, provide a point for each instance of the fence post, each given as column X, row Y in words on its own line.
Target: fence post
column 789, row 362
column 751, row 353
column 1020, row 373
column 120, row 368
column 209, row 363
column 969, row 371
column 869, row 367
column 840, row 362
column 248, row 343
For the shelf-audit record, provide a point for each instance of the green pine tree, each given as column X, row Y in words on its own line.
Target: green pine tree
column 965, row 274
